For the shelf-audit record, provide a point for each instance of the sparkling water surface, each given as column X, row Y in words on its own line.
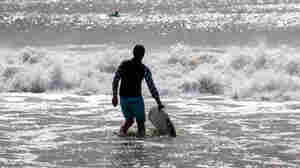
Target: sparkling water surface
column 244, row 54
column 55, row 130
column 88, row 21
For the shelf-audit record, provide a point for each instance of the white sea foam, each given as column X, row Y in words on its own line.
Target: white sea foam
column 259, row 72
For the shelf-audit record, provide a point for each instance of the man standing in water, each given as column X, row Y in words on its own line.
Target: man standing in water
column 132, row 72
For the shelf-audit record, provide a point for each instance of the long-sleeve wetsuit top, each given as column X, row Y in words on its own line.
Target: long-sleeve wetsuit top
column 132, row 74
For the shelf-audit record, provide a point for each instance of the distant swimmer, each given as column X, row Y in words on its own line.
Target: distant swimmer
column 131, row 73
column 116, row 13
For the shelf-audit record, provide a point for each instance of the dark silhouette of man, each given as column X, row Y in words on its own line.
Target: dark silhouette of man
column 131, row 73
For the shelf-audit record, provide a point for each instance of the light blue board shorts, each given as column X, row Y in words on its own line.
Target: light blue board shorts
column 133, row 107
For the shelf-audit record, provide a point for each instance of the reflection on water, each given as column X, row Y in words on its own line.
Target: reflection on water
column 77, row 131
column 134, row 154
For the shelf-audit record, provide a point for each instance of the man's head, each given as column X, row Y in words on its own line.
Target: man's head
column 138, row 52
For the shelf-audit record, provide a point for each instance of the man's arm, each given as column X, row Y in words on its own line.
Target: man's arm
column 152, row 88
column 115, row 85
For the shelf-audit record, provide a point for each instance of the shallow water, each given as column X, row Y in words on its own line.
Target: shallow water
column 65, row 130
column 241, row 49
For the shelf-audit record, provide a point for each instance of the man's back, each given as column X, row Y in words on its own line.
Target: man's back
column 132, row 74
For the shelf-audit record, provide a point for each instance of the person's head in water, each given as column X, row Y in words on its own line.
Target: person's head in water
column 138, row 52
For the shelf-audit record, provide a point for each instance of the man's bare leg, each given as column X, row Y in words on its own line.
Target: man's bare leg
column 141, row 128
column 124, row 128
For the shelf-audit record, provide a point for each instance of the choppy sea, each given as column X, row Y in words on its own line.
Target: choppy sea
column 228, row 71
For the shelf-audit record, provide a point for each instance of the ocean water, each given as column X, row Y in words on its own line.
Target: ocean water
column 240, row 49
column 229, row 70
column 67, row 130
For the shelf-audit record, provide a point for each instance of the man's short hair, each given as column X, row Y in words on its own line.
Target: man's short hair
column 138, row 50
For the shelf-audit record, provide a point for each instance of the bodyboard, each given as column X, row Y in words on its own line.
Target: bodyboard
column 161, row 121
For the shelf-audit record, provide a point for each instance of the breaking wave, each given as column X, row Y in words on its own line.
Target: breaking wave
column 249, row 72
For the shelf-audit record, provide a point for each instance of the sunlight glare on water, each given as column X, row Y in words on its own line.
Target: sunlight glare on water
column 212, row 132
column 227, row 70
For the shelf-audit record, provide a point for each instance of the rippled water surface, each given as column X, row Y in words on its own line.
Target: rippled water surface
column 88, row 21
column 242, row 49
column 55, row 130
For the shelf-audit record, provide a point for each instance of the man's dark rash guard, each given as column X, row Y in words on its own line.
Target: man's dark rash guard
column 132, row 74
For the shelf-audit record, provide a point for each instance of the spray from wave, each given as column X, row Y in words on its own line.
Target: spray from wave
column 249, row 72
column 39, row 70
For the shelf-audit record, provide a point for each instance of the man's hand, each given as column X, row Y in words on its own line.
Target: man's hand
column 114, row 101
column 160, row 107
